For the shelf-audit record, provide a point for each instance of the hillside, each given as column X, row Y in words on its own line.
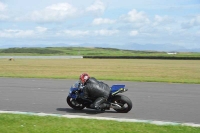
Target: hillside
column 86, row 51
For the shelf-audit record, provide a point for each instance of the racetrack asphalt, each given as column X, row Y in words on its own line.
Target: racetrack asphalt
column 151, row 101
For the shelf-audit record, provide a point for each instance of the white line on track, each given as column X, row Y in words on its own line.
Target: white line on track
column 104, row 118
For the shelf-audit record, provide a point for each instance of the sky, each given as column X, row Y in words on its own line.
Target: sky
column 127, row 24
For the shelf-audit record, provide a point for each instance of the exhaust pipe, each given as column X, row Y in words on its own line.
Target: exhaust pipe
column 115, row 106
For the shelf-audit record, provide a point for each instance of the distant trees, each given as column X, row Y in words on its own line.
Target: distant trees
column 32, row 50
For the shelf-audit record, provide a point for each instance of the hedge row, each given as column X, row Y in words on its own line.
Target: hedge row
column 143, row 57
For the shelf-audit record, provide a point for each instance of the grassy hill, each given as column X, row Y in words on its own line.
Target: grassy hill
column 85, row 51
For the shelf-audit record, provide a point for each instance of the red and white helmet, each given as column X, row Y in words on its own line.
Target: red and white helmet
column 84, row 77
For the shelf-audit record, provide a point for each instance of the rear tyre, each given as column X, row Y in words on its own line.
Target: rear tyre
column 74, row 104
column 124, row 102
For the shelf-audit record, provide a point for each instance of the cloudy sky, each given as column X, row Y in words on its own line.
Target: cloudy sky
column 99, row 23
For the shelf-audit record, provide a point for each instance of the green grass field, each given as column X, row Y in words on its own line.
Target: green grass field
column 13, row 123
column 172, row 71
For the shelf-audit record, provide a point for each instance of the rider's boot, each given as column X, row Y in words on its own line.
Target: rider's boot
column 105, row 106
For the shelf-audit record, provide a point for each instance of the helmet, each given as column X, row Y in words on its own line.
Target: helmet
column 84, row 77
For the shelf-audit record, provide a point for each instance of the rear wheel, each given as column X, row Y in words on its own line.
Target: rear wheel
column 124, row 102
column 74, row 104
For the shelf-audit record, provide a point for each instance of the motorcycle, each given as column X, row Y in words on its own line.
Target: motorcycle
column 119, row 103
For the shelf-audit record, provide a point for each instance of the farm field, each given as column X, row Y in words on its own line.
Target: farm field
column 172, row 71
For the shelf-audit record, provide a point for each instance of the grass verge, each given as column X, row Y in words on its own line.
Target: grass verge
column 16, row 123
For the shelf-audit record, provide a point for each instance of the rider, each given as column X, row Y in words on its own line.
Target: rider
column 96, row 90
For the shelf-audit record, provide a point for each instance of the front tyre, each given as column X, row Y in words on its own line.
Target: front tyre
column 124, row 102
column 74, row 104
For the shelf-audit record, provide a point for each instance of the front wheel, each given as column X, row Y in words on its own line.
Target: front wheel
column 74, row 104
column 124, row 102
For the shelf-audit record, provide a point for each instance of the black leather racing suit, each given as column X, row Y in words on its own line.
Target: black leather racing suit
column 97, row 90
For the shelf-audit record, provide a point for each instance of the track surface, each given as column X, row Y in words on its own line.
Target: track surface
column 151, row 101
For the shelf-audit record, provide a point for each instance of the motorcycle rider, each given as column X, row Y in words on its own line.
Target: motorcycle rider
column 97, row 90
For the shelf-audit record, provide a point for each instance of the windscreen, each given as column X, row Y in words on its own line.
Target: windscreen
column 76, row 84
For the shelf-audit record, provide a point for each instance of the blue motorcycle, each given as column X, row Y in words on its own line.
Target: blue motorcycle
column 119, row 103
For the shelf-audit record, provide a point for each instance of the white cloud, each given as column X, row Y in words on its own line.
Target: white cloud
column 198, row 33
column 41, row 29
column 133, row 33
column 54, row 13
column 3, row 15
column 192, row 22
column 2, row 6
column 75, row 33
column 97, row 7
column 135, row 17
column 105, row 32
column 161, row 20
column 10, row 33
column 18, row 33
column 99, row 21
